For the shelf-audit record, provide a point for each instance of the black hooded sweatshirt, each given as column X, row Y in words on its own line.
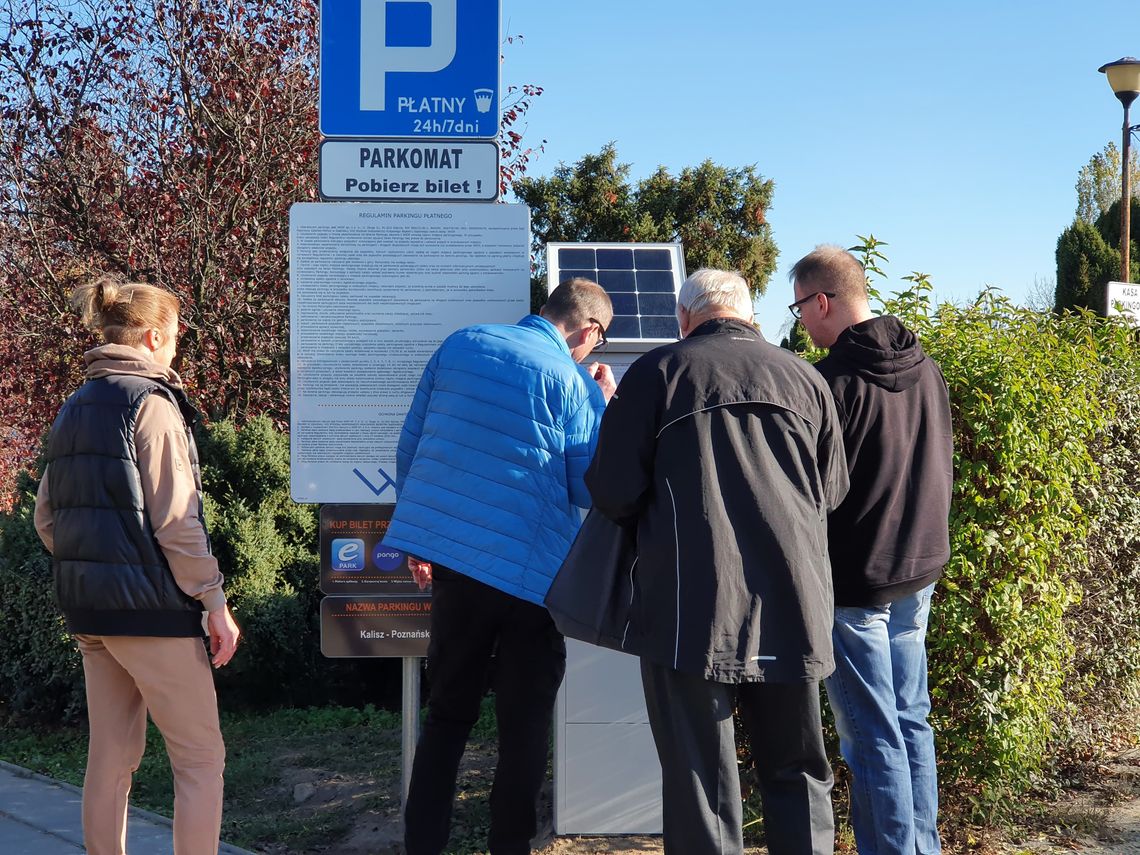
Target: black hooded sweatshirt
column 890, row 535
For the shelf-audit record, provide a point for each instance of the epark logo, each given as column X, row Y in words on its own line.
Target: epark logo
column 348, row 554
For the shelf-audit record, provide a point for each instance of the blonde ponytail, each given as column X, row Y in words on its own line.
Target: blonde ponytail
column 123, row 311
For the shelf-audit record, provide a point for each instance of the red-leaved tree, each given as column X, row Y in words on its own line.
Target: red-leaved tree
column 163, row 141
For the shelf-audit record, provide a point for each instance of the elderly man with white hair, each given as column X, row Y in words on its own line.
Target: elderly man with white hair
column 726, row 455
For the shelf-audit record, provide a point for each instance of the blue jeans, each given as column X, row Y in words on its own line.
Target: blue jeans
column 879, row 697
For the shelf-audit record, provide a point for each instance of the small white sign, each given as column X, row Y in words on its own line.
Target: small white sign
column 1124, row 299
column 409, row 171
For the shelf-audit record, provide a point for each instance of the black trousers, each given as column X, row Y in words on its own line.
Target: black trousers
column 471, row 623
column 691, row 720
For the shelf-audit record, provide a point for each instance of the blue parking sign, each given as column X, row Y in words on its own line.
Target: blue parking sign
column 410, row 68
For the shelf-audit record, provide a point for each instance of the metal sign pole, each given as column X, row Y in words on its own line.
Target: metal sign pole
column 411, row 719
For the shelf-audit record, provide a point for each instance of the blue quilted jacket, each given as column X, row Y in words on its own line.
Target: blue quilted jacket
column 492, row 456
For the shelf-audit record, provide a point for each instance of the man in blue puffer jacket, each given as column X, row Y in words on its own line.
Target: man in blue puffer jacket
column 490, row 470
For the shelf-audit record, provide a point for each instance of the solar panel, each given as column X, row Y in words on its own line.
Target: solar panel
column 642, row 280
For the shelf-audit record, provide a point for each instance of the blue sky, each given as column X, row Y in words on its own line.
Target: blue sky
column 954, row 132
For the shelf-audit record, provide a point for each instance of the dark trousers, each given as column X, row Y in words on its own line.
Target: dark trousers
column 691, row 719
column 470, row 623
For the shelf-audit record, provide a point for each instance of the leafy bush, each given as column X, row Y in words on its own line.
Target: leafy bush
column 267, row 548
column 1025, row 397
column 1035, row 626
column 40, row 673
column 1034, row 637
column 1105, row 625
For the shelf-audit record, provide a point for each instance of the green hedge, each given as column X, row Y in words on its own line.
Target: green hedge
column 267, row 548
column 40, row 674
column 1034, row 637
column 1035, row 625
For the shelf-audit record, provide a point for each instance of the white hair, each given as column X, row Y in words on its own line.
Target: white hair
column 708, row 289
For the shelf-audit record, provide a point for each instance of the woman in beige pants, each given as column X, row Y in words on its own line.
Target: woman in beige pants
column 120, row 509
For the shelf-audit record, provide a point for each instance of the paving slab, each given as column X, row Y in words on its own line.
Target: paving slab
column 42, row 816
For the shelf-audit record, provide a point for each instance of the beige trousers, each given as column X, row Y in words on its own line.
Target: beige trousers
column 170, row 677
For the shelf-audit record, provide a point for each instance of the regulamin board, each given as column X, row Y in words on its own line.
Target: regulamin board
column 374, row 290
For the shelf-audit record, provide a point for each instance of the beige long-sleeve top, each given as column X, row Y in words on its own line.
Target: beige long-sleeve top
column 169, row 489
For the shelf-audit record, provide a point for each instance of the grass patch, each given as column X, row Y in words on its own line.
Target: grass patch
column 349, row 758
column 342, row 753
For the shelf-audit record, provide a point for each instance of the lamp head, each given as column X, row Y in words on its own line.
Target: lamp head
column 1124, row 78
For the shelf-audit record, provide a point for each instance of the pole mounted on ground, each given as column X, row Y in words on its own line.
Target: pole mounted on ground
column 1124, row 78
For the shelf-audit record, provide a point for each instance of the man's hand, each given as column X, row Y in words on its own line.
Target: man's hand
column 421, row 571
column 604, row 376
column 224, row 634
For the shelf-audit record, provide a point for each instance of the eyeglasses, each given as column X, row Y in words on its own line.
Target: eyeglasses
column 797, row 311
column 602, row 340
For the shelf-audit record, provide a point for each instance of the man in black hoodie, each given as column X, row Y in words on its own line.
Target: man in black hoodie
column 888, row 541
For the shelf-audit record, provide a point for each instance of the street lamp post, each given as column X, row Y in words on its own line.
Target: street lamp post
column 1124, row 78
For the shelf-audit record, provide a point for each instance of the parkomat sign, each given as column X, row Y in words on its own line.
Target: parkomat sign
column 409, row 171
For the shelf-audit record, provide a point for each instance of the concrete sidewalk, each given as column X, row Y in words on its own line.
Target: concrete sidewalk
column 39, row 816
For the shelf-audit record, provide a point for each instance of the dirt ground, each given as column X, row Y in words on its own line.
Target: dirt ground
column 1101, row 816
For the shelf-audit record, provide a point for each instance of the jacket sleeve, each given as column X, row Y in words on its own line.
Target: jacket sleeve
column 620, row 477
column 581, row 438
column 173, row 503
column 831, row 455
column 44, row 518
column 414, row 423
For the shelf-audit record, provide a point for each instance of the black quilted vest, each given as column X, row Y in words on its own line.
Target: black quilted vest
column 111, row 577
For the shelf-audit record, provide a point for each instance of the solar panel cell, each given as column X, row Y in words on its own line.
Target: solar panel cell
column 576, row 258
column 624, row 304
column 656, row 304
column 624, row 326
column 660, row 281
column 616, row 280
column 615, row 259
column 590, row 274
column 652, row 259
column 655, row 326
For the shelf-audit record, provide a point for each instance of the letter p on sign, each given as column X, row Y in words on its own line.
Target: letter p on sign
column 378, row 57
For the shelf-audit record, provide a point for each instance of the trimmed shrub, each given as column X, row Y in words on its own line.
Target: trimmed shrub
column 267, row 548
column 1086, row 263
column 41, row 677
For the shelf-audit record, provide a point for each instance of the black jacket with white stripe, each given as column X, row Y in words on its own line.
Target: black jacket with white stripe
column 727, row 454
